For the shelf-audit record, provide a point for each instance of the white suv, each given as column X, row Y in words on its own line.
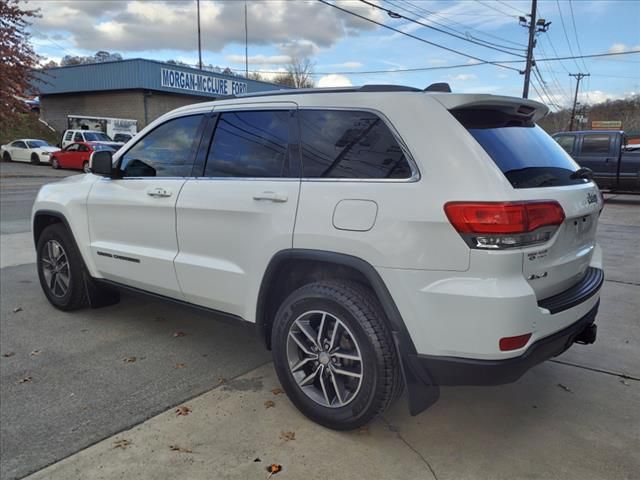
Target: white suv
column 376, row 236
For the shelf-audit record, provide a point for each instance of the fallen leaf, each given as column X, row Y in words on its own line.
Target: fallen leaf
column 277, row 391
column 221, row 380
column 273, row 469
column 269, row 404
column 180, row 365
column 8, row 354
column 179, row 334
column 35, row 353
column 129, row 359
column 124, row 443
column 17, row 309
column 363, row 430
column 25, row 380
column 286, row 436
column 624, row 382
column 565, row 388
column 177, row 448
column 183, row 410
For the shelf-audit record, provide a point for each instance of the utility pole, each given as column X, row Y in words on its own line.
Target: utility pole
column 246, row 42
column 579, row 76
column 534, row 26
column 199, row 44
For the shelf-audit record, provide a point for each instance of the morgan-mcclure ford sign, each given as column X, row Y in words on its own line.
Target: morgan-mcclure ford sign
column 196, row 82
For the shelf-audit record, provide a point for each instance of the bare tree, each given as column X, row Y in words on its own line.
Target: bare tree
column 298, row 74
column 17, row 60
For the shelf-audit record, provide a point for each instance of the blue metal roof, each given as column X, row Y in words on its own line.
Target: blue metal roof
column 139, row 73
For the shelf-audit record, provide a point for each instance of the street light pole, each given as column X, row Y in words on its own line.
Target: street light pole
column 532, row 43
column 246, row 42
column 199, row 43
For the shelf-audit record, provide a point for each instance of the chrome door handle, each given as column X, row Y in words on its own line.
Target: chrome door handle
column 158, row 192
column 271, row 196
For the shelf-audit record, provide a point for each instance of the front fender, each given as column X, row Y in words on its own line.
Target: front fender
column 67, row 201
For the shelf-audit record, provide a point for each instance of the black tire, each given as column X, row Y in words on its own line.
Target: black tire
column 55, row 163
column 35, row 160
column 75, row 296
column 358, row 309
column 6, row 157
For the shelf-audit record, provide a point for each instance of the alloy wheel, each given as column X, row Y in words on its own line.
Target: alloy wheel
column 324, row 358
column 55, row 266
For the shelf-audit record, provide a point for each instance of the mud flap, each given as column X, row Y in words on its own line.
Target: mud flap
column 99, row 294
column 422, row 392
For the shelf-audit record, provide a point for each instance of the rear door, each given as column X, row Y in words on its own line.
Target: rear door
column 539, row 169
column 19, row 152
column 596, row 151
column 241, row 210
column 132, row 220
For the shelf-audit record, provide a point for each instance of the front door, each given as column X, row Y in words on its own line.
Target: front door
column 235, row 217
column 595, row 152
column 132, row 220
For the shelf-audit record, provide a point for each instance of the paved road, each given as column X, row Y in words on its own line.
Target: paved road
column 19, row 184
column 69, row 380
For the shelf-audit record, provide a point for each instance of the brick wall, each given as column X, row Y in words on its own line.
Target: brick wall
column 121, row 104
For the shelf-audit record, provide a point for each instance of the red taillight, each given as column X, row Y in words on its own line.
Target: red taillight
column 514, row 343
column 503, row 217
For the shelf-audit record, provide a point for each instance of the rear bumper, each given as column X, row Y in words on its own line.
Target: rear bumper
column 440, row 370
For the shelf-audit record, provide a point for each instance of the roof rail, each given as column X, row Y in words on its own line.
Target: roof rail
column 303, row 91
column 438, row 87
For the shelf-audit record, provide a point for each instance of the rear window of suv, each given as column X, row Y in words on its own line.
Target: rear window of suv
column 525, row 153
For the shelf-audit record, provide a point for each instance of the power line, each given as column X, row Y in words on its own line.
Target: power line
column 394, row 14
column 447, row 67
column 415, row 36
column 421, row 13
column 575, row 33
column 564, row 29
column 496, row 9
column 441, row 15
column 510, row 6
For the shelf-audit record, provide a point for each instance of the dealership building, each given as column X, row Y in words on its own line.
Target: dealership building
column 135, row 89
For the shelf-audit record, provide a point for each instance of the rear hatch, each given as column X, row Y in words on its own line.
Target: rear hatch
column 541, row 174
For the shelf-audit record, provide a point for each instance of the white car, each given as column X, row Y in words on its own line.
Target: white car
column 79, row 136
column 376, row 237
column 27, row 150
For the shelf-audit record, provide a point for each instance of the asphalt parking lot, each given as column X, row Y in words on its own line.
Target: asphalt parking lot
column 83, row 394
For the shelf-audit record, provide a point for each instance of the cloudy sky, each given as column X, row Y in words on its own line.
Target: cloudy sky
column 344, row 46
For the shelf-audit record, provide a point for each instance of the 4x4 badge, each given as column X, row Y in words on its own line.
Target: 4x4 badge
column 592, row 198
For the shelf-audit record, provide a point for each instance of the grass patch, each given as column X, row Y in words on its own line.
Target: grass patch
column 27, row 125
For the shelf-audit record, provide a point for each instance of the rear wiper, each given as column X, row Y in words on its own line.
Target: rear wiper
column 582, row 172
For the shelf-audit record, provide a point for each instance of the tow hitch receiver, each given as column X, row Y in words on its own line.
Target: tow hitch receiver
column 588, row 335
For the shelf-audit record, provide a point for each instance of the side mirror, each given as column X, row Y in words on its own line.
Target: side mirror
column 101, row 163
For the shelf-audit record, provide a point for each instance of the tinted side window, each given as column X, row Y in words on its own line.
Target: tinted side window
column 78, row 137
column 349, row 144
column 19, row 145
column 596, row 144
column 250, row 144
column 166, row 151
column 68, row 136
column 566, row 142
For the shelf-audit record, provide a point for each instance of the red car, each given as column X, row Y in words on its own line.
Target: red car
column 76, row 155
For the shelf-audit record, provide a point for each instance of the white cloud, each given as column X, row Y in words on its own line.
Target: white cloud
column 260, row 59
column 347, row 65
column 296, row 28
column 334, row 80
column 618, row 48
column 462, row 77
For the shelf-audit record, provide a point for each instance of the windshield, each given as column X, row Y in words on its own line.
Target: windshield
column 99, row 148
column 96, row 137
column 37, row 143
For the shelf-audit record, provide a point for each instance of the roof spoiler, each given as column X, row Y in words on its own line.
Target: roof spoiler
column 438, row 87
